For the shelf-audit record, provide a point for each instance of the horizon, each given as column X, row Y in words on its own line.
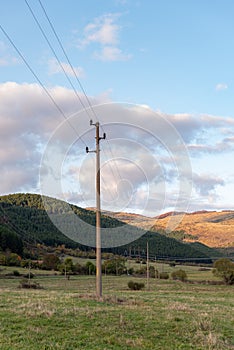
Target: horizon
column 124, row 212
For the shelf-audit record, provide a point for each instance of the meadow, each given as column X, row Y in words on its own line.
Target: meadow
column 66, row 315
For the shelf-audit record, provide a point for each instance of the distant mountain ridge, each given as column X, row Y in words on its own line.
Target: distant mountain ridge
column 212, row 228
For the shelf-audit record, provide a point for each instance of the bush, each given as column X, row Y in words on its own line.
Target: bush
column 135, row 285
column 164, row 276
column 179, row 275
column 130, row 271
column 50, row 262
column 29, row 275
column 141, row 271
column 30, row 285
column 12, row 259
column 115, row 266
column 151, row 271
column 16, row 273
column 224, row 268
column 90, row 268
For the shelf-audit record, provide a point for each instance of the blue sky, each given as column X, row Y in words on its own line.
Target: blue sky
column 174, row 57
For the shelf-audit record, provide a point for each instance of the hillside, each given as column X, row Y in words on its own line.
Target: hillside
column 23, row 216
column 214, row 229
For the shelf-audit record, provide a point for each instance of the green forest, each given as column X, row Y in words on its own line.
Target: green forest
column 24, row 221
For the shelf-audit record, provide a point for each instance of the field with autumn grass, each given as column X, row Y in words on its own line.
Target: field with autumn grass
column 66, row 315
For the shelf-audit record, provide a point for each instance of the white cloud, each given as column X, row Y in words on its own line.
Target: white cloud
column 56, row 68
column 27, row 119
column 144, row 159
column 197, row 149
column 104, row 32
column 111, row 53
column 229, row 140
column 221, row 86
column 206, row 184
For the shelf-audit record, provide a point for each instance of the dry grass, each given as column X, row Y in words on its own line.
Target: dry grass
column 215, row 229
column 171, row 315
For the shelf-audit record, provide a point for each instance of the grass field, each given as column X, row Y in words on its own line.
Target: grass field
column 66, row 315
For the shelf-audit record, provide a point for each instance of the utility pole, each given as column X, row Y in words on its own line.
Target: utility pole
column 98, row 212
column 147, row 273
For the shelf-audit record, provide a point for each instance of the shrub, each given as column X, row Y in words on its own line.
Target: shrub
column 90, row 268
column 141, row 271
column 164, row 275
column 224, row 268
column 80, row 269
column 67, row 267
column 13, row 259
column 130, row 271
column 115, row 266
column 50, row 262
column 29, row 275
column 29, row 285
column 151, row 271
column 179, row 275
column 135, row 285
column 2, row 259
column 16, row 273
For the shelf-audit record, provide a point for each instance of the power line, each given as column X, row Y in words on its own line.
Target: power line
column 58, row 60
column 56, row 56
column 68, row 60
column 74, row 72
column 40, row 82
column 78, row 80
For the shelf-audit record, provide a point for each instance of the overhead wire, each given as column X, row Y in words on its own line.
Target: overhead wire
column 68, row 60
column 41, row 84
column 56, row 56
column 80, row 84
column 60, row 64
column 39, row 81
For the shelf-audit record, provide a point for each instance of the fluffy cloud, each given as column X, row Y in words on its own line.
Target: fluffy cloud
column 146, row 159
column 27, row 119
column 206, row 184
column 104, row 32
column 111, row 53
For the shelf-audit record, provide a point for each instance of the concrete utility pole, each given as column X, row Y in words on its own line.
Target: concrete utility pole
column 98, row 212
column 147, row 271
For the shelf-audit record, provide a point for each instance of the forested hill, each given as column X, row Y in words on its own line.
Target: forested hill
column 23, row 219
